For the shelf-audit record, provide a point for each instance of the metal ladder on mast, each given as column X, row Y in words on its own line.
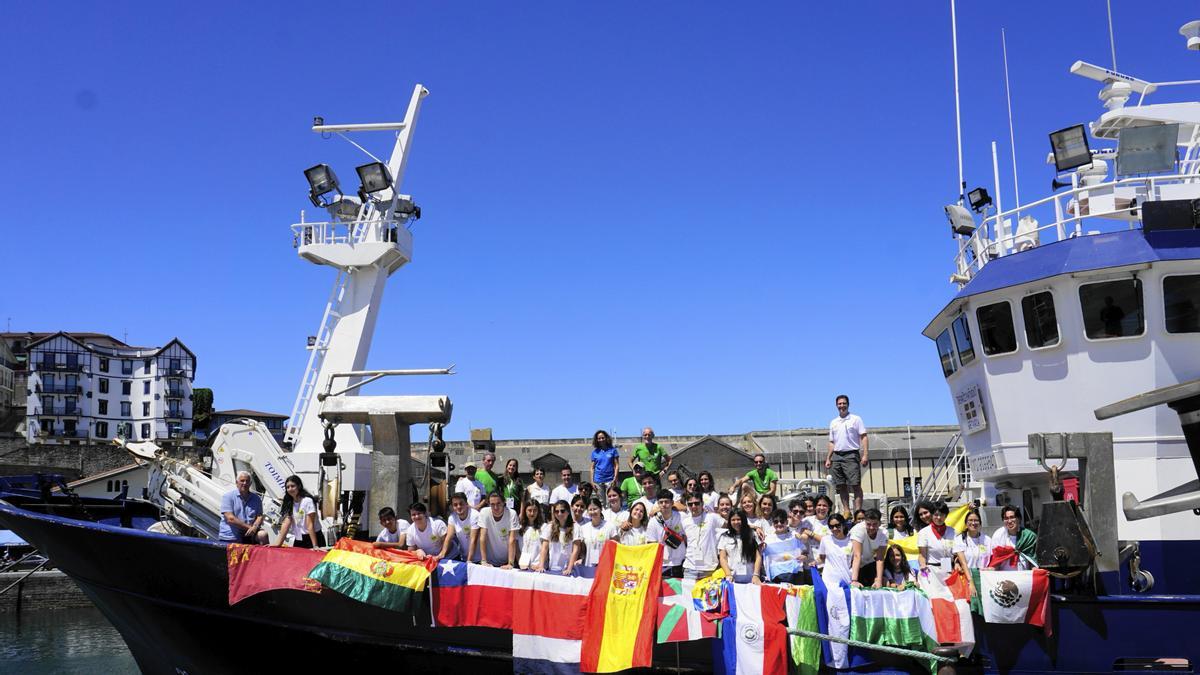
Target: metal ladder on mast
column 948, row 466
column 316, row 357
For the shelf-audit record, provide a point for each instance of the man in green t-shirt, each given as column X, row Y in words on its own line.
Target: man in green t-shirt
column 652, row 456
column 485, row 475
column 763, row 479
column 631, row 487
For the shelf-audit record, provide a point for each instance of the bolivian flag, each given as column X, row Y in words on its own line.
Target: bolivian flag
column 620, row 628
column 383, row 577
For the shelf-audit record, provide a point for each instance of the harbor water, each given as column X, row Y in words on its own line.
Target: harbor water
column 63, row 641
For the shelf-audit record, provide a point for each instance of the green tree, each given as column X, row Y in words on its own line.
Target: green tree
column 202, row 407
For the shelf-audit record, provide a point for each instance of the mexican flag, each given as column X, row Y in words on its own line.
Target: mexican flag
column 1015, row 597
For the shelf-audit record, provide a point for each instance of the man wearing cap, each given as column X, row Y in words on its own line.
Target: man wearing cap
column 470, row 486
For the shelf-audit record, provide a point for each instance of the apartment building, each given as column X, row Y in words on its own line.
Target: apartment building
column 81, row 390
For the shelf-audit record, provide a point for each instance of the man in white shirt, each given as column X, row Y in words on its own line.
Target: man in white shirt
column 471, row 487
column 666, row 519
column 847, row 453
column 566, row 491
column 392, row 534
column 868, row 545
column 701, row 530
column 425, row 536
column 496, row 526
column 463, row 529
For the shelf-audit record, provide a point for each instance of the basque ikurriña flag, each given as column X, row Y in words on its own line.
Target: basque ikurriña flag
column 382, row 577
column 467, row 594
column 753, row 637
column 678, row 618
column 620, row 632
column 548, row 617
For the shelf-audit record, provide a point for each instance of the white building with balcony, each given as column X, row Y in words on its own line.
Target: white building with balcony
column 79, row 391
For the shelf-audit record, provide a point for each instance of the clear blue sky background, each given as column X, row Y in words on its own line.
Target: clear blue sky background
column 706, row 217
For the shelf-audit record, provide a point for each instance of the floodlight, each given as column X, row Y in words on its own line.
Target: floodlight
column 321, row 181
column 961, row 221
column 979, row 198
column 374, row 178
column 1149, row 149
column 345, row 209
column 406, row 208
column 1070, row 148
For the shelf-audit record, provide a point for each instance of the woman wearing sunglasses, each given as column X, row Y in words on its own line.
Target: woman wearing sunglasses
column 559, row 539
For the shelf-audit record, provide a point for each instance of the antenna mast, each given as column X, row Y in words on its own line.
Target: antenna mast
column 962, row 184
column 1112, row 43
column 1012, row 142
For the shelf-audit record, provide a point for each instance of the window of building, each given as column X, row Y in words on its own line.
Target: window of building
column 126, row 387
column 145, row 432
column 102, row 406
column 103, row 364
column 962, row 338
column 110, row 486
column 1181, row 303
column 176, row 365
column 146, row 387
column 48, row 382
column 47, row 426
column 174, row 408
column 68, row 427
column 72, row 384
column 146, row 366
column 1041, row 323
column 945, row 347
column 102, row 429
column 69, row 403
column 72, row 360
column 145, row 409
column 126, row 367
column 104, row 385
column 1112, row 309
column 48, row 360
column 996, row 328
column 127, row 429
column 47, row 404
column 126, row 409
column 174, row 388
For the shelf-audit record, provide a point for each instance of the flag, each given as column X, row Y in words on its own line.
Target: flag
column 467, row 594
column 621, row 610
column 801, row 609
column 257, row 569
column 949, row 598
column 896, row 618
column 955, row 519
column 1015, row 597
column 549, row 611
column 710, row 595
column 377, row 576
column 753, row 638
column 678, row 618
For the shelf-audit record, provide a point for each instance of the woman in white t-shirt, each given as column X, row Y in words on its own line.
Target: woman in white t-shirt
column 708, row 491
column 528, row 540
column 834, row 557
column 613, row 512
column 633, row 528
column 299, row 516
column 537, row 490
column 935, row 542
column 738, row 550
column 593, row 534
column 559, row 538
column 816, row 527
column 972, row 548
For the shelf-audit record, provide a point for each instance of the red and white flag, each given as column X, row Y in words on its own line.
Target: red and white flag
column 1015, row 597
column 950, row 599
column 548, row 615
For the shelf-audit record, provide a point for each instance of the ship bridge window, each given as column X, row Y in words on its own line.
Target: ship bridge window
column 945, row 347
column 1112, row 309
column 1041, row 323
column 996, row 330
column 1181, row 303
column 962, row 338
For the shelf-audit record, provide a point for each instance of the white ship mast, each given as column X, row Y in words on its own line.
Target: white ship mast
column 366, row 241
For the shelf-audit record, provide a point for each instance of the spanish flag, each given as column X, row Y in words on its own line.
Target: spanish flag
column 381, row 577
column 620, row 628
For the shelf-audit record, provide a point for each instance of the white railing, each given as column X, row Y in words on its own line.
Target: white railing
column 947, row 468
column 352, row 232
column 1074, row 213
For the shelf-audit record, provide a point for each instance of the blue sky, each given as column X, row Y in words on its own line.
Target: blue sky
column 706, row 217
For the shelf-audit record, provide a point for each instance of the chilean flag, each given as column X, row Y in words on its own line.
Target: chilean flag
column 467, row 594
column 753, row 638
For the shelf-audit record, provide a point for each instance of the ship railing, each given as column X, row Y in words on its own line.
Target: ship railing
column 947, row 468
column 348, row 232
column 1072, row 213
